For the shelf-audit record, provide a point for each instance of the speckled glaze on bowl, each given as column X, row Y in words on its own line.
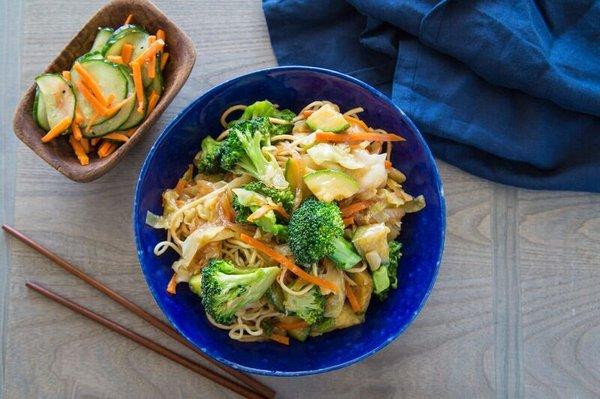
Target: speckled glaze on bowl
column 422, row 233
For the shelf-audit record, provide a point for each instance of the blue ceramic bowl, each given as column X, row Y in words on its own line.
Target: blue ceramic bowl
column 422, row 232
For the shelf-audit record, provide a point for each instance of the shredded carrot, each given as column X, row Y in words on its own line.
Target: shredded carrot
column 76, row 131
column 106, row 148
column 139, row 87
column 128, row 19
column 78, row 116
column 98, row 106
column 160, row 34
column 292, row 325
column 172, row 286
column 57, row 130
column 150, row 64
column 357, row 121
column 79, row 151
column 116, row 136
column 152, row 101
column 348, row 221
column 352, row 298
column 388, row 164
column 90, row 124
column 150, row 52
column 66, row 75
column 113, row 109
column 282, row 339
column 85, row 143
column 307, row 113
column 126, row 52
column 115, row 58
column 354, row 207
column 163, row 60
column 89, row 81
column 94, row 141
column 180, row 186
column 354, row 137
column 288, row 264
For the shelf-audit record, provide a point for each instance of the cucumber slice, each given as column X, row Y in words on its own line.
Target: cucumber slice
column 114, row 123
column 39, row 111
column 136, row 117
column 58, row 98
column 327, row 119
column 92, row 55
column 101, row 38
column 111, row 81
column 131, row 34
column 329, row 185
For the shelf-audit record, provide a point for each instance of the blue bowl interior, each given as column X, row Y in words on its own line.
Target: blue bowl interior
column 422, row 233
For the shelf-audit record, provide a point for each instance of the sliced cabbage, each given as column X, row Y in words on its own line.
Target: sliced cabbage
column 335, row 301
column 340, row 154
column 371, row 242
column 370, row 177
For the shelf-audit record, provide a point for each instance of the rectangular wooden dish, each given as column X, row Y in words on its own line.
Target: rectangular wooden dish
column 182, row 56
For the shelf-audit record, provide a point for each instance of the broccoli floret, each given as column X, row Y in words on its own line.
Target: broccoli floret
column 252, row 196
column 309, row 307
column 208, row 159
column 226, row 288
column 316, row 231
column 264, row 110
column 242, row 151
column 386, row 276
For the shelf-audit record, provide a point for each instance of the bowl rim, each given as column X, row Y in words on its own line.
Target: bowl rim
column 436, row 181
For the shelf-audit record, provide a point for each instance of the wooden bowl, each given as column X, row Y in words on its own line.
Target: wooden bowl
column 182, row 56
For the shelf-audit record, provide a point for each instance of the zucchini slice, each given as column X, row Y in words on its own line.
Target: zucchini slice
column 39, row 111
column 327, row 119
column 101, row 38
column 57, row 95
column 115, row 122
column 329, row 185
column 110, row 79
column 131, row 34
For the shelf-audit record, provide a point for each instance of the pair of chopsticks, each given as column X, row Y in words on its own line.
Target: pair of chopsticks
column 254, row 389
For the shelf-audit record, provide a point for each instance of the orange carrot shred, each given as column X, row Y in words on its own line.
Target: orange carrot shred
column 79, row 151
column 126, row 52
column 106, row 148
column 172, row 286
column 115, row 58
column 348, row 221
column 116, row 136
column 98, row 106
column 57, row 130
column 180, row 186
column 352, row 298
column 139, row 88
column 66, row 75
column 163, row 60
column 78, row 117
column 94, row 140
column 152, row 101
column 282, row 339
column 150, row 52
column 354, row 207
column 288, row 264
column 128, row 19
column 160, row 34
column 90, row 124
column 85, row 143
column 76, row 131
column 388, row 164
column 89, row 81
column 355, row 137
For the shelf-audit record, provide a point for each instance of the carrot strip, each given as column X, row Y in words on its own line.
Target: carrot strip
column 160, row 34
column 57, row 130
column 288, row 264
column 79, row 151
column 90, row 124
column 95, row 141
column 139, row 87
column 115, row 58
column 354, row 137
column 113, row 109
column 180, row 186
column 354, row 207
column 292, row 325
column 76, row 131
column 106, row 149
column 357, row 121
column 151, row 51
column 128, row 19
column 116, row 136
column 66, row 75
column 163, row 60
column 85, row 143
column 126, row 52
column 352, row 298
column 307, row 113
column 348, row 221
column 152, row 101
column 282, row 339
column 98, row 106
column 172, row 286
column 78, row 117
column 388, row 164
column 90, row 82
column 151, row 63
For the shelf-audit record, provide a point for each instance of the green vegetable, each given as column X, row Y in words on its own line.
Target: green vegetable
column 329, row 185
column 381, row 280
column 316, row 231
column 195, row 284
column 327, row 119
column 386, row 277
column 284, row 197
column 299, row 333
column 267, row 109
column 208, row 159
column 226, row 288
column 242, row 151
column 275, row 297
column 309, row 307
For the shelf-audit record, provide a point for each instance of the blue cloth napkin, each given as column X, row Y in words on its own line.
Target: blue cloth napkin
column 506, row 90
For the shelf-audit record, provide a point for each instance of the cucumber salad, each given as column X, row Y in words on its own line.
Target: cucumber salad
column 286, row 225
column 107, row 93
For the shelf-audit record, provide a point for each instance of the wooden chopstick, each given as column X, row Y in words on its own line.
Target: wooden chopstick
column 148, row 343
column 256, row 385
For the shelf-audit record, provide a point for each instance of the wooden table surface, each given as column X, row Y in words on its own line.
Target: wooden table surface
column 515, row 311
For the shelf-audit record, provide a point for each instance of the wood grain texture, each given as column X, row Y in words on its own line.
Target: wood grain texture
column 59, row 153
column 514, row 313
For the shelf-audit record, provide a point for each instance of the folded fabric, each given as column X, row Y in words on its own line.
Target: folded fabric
column 509, row 91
